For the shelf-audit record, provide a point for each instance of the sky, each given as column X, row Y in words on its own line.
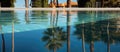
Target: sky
column 21, row 3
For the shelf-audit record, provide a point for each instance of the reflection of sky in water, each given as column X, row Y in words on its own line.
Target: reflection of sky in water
column 37, row 20
column 28, row 36
column 20, row 3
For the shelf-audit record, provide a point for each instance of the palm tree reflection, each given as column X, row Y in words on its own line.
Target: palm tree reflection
column 8, row 20
column 86, row 31
column 108, row 46
column 3, row 39
column 80, row 31
column 38, row 17
column 27, row 16
column 54, row 36
column 68, row 31
column 13, row 36
column 104, row 30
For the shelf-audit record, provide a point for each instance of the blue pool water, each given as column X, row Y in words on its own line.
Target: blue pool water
column 59, row 31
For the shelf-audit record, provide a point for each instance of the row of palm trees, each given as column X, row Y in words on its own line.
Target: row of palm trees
column 55, row 2
column 86, row 3
column 7, row 3
column 88, row 32
column 81, row 3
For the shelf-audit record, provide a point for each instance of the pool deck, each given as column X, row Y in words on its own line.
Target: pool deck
column 76, row 9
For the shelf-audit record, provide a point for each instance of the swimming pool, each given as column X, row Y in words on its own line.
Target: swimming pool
column 59, row 31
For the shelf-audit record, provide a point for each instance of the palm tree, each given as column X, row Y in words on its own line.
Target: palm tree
column 91, row 33
column 54, row 1
column 108, row 43
column 39, row 3
column 12, row 19
column 0, row 3
column 7, row 3
column 82, row 3
column 3, row 43
column 82, row 30
column 57, row 18
column 85, row 32
column 12, row 3
column 51, row 1
column 91, row 36
column 13, row 36
column 68, row 3
column 4, row 20
column 83, row 38
column 27, row 16
column 93, row 3
column 3, row 40
column 80, row 33
column 38, row 17
column 26, row 3
column 105, row 36
column 68, row 31
column 102, row 3
column 57, row 3
column 54, row 38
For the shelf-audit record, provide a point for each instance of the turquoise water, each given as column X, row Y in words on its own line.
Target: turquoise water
column 33, row 20
column 45, row 31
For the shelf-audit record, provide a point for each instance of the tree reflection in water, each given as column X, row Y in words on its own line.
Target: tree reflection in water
column 38, row 17
column 27, row 16
column 96, row 31
column 54, row 36
column 68, row 31
column 102, row 31
column 4, row 21
column 3, row 39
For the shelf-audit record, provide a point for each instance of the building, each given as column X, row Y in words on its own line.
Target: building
column 73, row 4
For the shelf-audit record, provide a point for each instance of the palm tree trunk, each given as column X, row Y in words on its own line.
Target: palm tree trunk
column 3, row 40
column 26, row 3
column 91, row 46
column 54, row 50
column 51, row 1
column 68, row 31
column 13, row 36
column 93, row 32
column 57, row 3
column 27, row 16
column 0, row 4
column 3, row 43
column 68, row 3
column 42, row 3
column 83, row 40
column 57, row 18
column 102, row 3
column 51, row 19
column 108, row 43
column 54, row 16
column 54, row 2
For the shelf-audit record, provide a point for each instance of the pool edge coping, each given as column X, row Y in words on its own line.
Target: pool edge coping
column 79, row 9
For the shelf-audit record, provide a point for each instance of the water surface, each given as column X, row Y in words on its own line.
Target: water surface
column 59, row 31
